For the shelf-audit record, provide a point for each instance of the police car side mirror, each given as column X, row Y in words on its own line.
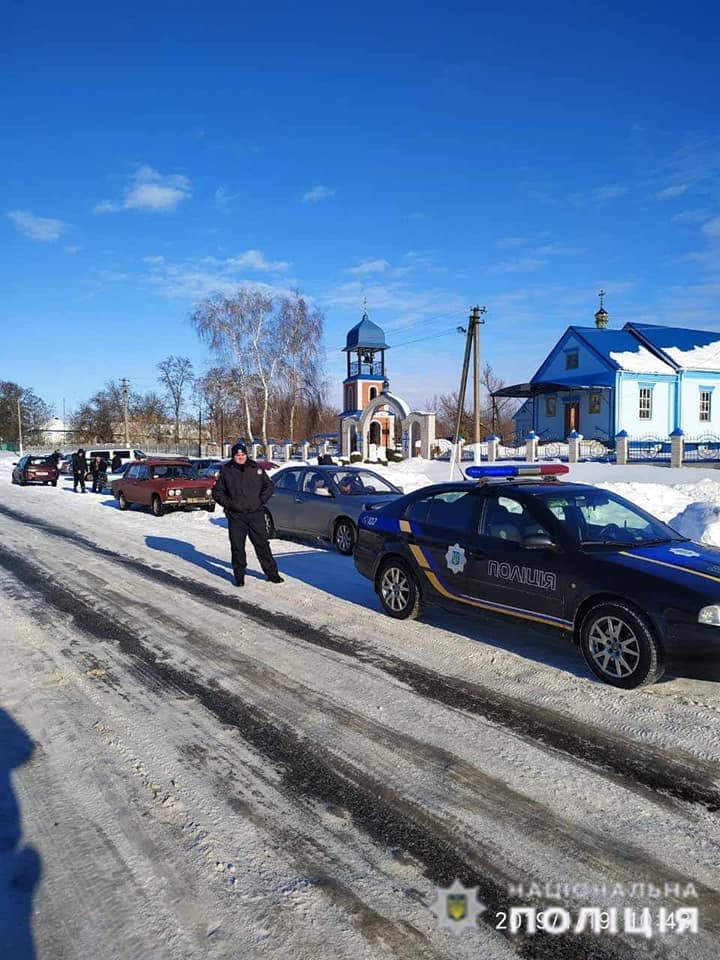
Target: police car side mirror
column 538, row 541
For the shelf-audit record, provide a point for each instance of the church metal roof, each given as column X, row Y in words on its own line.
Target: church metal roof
column 365, row 334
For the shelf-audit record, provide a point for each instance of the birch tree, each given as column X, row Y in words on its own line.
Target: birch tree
column 300, row 339
column 176, row 375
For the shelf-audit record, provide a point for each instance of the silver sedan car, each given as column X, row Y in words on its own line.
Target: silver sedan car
column 325, row 501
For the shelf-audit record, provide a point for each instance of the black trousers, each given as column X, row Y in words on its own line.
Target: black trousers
column 242, row 525
column 78, row 478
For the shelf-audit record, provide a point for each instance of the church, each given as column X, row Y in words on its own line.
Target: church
column 645, row 379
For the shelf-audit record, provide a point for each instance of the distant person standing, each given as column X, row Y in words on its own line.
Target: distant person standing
column 116, row 463
column 79, row 469
column 55, row 458
column 98, row 469
column 243, row 488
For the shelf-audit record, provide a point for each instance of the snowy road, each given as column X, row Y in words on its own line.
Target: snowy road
column 283, row 772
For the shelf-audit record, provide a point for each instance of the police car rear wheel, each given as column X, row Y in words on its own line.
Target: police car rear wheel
column 398, row 591
column 620, row 647
column 345, row 537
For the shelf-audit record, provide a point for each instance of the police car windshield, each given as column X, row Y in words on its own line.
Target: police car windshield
column 600, row 518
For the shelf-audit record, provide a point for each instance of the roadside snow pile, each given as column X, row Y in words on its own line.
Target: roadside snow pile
column 664, row 501
column 700, row 522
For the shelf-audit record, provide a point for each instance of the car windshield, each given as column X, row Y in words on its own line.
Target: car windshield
column 175, row 471
column 598, row 518
column 359, row 483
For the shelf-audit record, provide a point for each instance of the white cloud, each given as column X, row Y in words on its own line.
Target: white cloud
column 712, row 228
column 149, row 190
column 255, row 260
column 222, row 198
column 107, row 276
column 317, row 193
column 37, row 228
column 369, row 266
column 674, row 191
column 519, row 265
column 611, row 191
column 196, row 279
column 696, row 215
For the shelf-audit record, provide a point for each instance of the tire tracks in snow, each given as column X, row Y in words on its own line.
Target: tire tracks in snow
column 681, row 777
column 308, row 771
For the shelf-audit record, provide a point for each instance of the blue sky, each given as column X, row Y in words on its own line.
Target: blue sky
column 518, row 155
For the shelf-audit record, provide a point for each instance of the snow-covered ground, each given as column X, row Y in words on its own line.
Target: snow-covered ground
column 284, row 772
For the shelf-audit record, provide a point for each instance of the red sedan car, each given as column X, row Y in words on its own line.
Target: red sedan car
column 163, row 484
column 31, row 469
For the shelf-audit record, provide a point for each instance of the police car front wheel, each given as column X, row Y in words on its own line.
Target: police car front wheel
column 398, row 590
column 619, row 645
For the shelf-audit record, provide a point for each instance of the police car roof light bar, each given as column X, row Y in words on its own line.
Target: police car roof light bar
column 502, row 472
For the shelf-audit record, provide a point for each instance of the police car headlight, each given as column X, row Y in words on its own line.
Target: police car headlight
column 710, row 615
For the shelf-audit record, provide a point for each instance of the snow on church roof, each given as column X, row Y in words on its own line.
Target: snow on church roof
column 640, row 361
column 688, row 349
column 699, row 358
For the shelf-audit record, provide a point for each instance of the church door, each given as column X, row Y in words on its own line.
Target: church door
column 572, row 418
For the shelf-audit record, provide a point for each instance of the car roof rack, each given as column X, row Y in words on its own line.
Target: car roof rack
column 527, row 473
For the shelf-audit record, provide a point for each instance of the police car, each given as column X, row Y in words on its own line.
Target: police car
column 524, row 543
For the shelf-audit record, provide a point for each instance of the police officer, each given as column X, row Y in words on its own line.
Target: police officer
column 243, row 488
column 98, row 469
column 79, row 469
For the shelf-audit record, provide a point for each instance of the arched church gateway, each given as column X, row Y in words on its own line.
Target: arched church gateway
column 372, row 415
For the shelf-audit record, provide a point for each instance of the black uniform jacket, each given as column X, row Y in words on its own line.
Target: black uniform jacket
column 242, row 489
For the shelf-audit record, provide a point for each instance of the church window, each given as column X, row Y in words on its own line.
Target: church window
column 645, row 405
column 705, row 405
column 572, row 360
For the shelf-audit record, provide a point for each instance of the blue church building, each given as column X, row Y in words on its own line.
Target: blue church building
column 645, row 379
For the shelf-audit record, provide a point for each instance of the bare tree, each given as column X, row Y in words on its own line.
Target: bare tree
column 176, row 375
column 34, row 412
column 499, row 410
column 300, row 337
column 224, row 324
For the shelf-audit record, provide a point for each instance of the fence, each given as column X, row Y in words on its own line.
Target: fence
column 648, row 449
column 701, row 449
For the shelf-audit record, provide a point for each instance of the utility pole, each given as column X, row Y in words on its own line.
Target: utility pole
column 124, row 386
column 20, row 443
column 476, row 315
column 199, row 430
column 472, row 340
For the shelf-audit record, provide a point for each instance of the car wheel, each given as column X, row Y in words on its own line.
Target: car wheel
column 123, row 502
column 269, row 525
column 620, row 646
column 398, row 590
column 344, row 538
column 157, row 506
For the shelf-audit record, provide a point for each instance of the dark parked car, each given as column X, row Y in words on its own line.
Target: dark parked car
column 31, row 469
column 163, row 484
column 631, row 591
column 325, row 501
